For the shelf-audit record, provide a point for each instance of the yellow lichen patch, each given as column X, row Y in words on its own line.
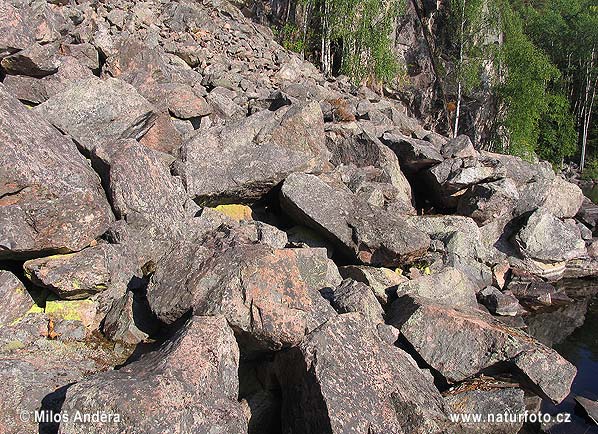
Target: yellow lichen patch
column 76, row 310
column 235, row 211
column 33, row 310
column 12, row 346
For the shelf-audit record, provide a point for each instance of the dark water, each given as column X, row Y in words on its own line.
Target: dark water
column 572, row 330
column 591, row 192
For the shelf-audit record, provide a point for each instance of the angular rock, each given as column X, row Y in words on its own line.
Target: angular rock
column 352, row 296
column 76, row 275
column 449, row 286
column 496, row 406
column 15, row 34
column 14, row 298
column 243, row 161
column 489, row 201
column 269, row 296
column 499, row 303
column 546, row 238
column 477, row 341
column 367, row 233
column 563, row 199
column 383, row 281
column 93, row 111
column 34, row 61
column 190, row 384
column 319, row 381
column 414, row 155
column 590, row 407
column 460, row 147
column 51, row 200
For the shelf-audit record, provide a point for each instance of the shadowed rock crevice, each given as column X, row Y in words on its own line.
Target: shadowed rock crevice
column 52, row 404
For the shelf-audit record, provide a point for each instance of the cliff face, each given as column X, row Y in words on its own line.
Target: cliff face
column 256, row 247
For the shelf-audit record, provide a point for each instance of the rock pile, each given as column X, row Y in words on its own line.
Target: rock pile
column 200, row 233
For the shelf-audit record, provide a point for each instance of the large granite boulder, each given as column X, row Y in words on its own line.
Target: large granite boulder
column 93, row 111
column 269, row 296
column 477, row 341
column 189, row 384
column 242, row 161
column 359, row 230
column 352, row 296
column 449, row 286
column 414, row 154
column 383, row 281
column 489, row 201
column 15, row 34
column 344, row 379
column 545, row 238
column 52, row 201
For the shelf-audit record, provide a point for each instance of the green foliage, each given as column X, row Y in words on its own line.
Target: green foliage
column 590, row 172
column 360, row 31
column 291, row 38
column 557, row 136
column 523, row 92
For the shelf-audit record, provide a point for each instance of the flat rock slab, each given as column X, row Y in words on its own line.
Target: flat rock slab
column 15, row 301
column 51, row 200
column 449, row 286
column 15, row 34
column 492, row 405
column 344, row 379
column 590, row 407
column 242, row 161
column 461, row 342
column 367, row 233
column 93, row 110
column 189, row 384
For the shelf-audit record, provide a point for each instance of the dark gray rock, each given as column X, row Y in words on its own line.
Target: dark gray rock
column 477, row 341
column 496, row 406
column 499, row 303
column 414, row 155
column 352, row 296
column 489, row 201
column 52, row 201
column 590, row 407
column 367, row 233
column 93, row 111
column 190, row 383
column 383, row 281
column 242, row 161
column 319, row 378
column 460, row 147
column 34, row 61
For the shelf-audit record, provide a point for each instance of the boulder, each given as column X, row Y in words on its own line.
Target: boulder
column 76, row 275
column 242, row 161
column 269, row 296
column 563, row 199
column 449, row 286
column 414, row 154
column 52, row 201
column 546, row 238
column 477, row 341
column 357, row 229
column 354, row 145
column 499, row 303
column 319, row 381
column 190, row 383
column 352, row 296
column 460, row 147
column 15, row 299
column 34, row 61
column 489, row 201
column 383, row 281
column 15, row 33
column 93, row 111
column 499, row 408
